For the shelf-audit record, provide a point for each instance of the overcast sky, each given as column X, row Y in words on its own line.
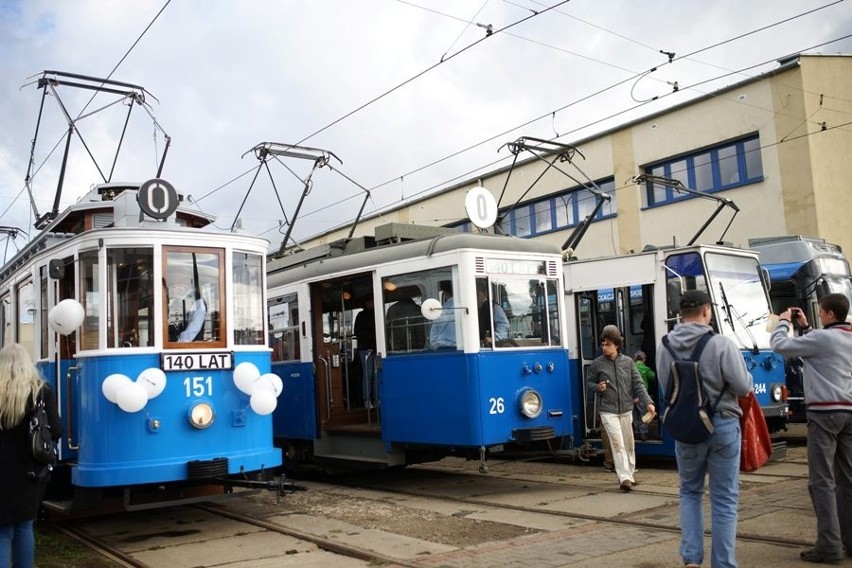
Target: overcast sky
column 230, row 74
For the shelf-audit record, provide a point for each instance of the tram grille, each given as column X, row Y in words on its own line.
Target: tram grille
column 533, row 434
column 479, row 265
column 553, row 269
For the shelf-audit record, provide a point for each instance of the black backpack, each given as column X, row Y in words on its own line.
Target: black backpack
column 41, row 442
column 688, row 412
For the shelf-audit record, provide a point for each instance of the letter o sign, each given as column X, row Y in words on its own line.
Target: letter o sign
column 157, row 198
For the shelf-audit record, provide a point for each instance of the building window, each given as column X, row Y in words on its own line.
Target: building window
column 556, row 212
column 728, row 165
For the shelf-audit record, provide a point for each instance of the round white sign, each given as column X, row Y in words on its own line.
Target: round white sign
column 481, row 207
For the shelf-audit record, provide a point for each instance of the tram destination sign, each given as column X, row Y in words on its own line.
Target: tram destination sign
column 213, row 361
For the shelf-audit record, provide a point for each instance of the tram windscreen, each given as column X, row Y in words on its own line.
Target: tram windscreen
column 524, row 313
column 741, row 298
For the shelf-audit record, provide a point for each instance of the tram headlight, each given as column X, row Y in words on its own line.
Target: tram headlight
column 777, row 392
column 530, row 403
column 201, row 415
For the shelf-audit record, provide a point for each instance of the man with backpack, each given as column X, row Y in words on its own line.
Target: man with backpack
column 724, row 377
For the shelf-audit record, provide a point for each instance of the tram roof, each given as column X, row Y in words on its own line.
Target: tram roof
column 69, row 224
column 338, row 256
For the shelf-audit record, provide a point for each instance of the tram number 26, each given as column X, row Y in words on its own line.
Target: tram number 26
column 198, row 386
column 498, row 406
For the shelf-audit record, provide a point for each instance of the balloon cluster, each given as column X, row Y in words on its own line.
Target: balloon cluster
column 66, row 316
column 263, row 389
column 132, row 396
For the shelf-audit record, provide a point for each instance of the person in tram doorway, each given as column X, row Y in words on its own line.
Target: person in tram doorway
column 827, row 357
column 617, row 382
column 724, row 378
column 649, row 377
column 22, row 482
column 365, row 330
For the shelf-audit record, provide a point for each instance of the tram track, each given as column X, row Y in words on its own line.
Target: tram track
column 328, row 545
column 98, row 545
column 441, row 514
column 645, row 488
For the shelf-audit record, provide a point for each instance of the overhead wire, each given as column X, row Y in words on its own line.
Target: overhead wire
column 425, row 71
column 114, row 69
column 467, row 174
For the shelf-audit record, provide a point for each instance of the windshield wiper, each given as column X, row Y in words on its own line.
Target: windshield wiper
column 731, row 313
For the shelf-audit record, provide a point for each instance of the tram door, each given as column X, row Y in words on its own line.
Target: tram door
column 596, row 309
column 339, row 357
column 629, row 308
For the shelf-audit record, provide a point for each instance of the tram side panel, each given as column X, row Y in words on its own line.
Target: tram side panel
column 296, row 415
column 112, row 440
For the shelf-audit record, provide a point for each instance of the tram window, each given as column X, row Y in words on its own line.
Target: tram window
column 445, row 331
column 248, row 299
column 405, row 326
column 493, row 319
column 6, row 314
column 531, row 309
column 193, row 296
column 42, row 271
column 89, row 284
column 130, row 297
column 26, row 317
column 284, row 328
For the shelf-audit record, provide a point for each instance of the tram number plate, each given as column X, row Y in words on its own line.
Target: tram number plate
column 196, row 361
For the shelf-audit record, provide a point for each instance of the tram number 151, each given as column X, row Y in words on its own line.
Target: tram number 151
column 198, row 386
column 498, row 406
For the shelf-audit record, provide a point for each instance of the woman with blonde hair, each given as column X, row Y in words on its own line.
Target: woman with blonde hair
column 22, row 481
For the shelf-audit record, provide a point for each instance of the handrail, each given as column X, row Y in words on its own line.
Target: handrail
column 68, row 391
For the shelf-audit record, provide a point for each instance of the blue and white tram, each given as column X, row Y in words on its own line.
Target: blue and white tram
column 801, row 271
column 390, row 354
column 157, row 381
column 640, row 293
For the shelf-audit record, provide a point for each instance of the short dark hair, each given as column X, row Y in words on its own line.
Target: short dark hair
column 610, row 333
column 837, row 303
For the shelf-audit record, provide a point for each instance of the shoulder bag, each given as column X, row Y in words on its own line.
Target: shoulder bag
column 756, row 443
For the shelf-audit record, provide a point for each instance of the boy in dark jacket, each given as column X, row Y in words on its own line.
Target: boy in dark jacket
column 617, row 382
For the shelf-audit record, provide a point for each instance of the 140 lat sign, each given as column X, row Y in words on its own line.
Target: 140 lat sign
column 196, row 361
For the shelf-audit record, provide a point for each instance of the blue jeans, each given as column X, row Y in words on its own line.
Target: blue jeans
column 720, row 458
column 17, row 545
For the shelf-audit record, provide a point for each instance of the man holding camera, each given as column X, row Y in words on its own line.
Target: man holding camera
column 827, row 357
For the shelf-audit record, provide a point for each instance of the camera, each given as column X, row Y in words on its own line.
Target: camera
column 795, row 312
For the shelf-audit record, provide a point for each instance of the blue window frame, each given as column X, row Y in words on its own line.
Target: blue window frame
column 725, row 166
column 554, row 213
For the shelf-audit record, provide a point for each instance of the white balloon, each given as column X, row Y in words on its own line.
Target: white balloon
column 68, row 315
column 270, row 382
column 263, row 401
column 245, row 375
column 154, row 381
column 132, row 397
column 112, row 384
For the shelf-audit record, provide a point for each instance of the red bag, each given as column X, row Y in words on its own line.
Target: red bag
column 756, row 444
